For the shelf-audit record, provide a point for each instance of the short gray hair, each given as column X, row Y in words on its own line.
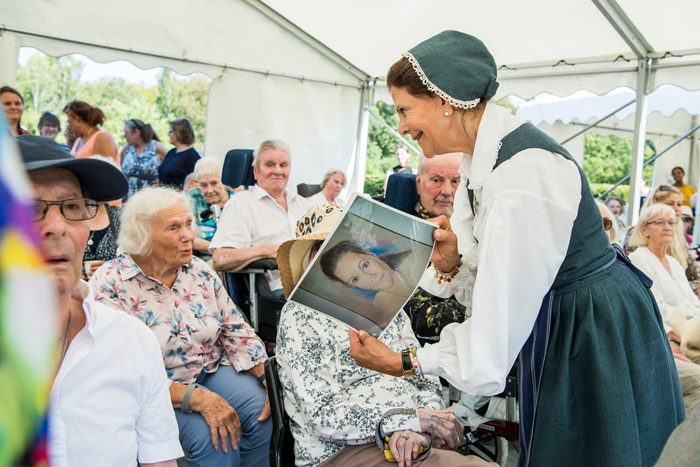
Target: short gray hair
column 138, row 215
column 271, row 144
column 208, row 166
column 329, row 174
column 638, row 239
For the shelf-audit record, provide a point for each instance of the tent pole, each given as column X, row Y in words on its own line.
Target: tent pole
column 9, row 51
column 694, row 153
column 640, row 126
column 358, row 165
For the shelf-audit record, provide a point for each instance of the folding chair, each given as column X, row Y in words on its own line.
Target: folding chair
column 282, row 441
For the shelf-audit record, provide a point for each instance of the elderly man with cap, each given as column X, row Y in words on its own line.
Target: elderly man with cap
column 339, row 411
column 109, row 404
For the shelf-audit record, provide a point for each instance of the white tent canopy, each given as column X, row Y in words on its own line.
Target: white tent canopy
column 301, row 70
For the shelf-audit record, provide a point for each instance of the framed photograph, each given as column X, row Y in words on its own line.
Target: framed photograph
column 369, row 266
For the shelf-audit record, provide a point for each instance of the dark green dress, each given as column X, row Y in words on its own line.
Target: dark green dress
column 597, row 382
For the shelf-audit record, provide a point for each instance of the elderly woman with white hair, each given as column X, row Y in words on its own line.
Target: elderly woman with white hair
column 210, row 192
column 212, row 356
column 332, row 184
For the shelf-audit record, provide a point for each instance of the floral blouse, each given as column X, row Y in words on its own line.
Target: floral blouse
column 196, row 323
column 332, row 402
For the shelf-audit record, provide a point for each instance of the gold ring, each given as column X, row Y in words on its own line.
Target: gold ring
column 404, row 436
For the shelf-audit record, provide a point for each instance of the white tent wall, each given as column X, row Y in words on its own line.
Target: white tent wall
column 319, row 121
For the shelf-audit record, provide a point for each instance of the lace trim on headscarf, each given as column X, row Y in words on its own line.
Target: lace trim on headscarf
column 432, row 88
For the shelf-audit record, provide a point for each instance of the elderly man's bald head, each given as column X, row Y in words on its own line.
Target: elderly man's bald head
column 437, row 181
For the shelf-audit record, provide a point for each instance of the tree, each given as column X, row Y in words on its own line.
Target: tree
column 608, row 159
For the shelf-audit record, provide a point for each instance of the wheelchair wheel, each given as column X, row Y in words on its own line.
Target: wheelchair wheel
column 486, row 446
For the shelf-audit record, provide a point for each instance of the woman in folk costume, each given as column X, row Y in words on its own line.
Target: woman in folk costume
column 597, row 384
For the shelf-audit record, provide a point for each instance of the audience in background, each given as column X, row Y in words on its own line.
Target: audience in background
column 332, row 184
column 69, row 134
column 609, row 224
column 109, row 401
column 210, row 192
column 179, row 161
column 190, row 182
column 688, row 221
column 213, row 358
column 616, row 205
column 84, row 120
column 49, row 125
column 653, row 235
column 686, row 190
column 13, row 107
column 402, row 157
column 256, row 221
column 141, row 155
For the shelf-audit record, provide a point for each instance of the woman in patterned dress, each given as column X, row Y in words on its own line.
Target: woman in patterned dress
column 212, row 356
column 141, row 155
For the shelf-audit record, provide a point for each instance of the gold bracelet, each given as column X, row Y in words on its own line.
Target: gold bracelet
column 447, row 276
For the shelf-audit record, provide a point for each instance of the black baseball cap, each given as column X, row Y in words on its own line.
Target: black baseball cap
column 102, row 180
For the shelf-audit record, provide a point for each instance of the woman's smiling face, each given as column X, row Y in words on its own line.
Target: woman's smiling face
column 423, row 118
column 364, row 271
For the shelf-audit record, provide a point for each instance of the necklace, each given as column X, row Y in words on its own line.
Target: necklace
column 65, row 342
column 92, row 234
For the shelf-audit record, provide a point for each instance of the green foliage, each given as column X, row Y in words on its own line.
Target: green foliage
column 48, row 84
column 373, row 183
column 608, row 159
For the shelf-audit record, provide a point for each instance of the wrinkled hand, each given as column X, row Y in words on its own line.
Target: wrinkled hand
column 446, row 253
column 446, row 425
column 270, row 250
column 405, row 446
column 672, row 336
column 677, row 354
column 93, row 267
column 266, row 411
column 220, row 416
column 371, row 353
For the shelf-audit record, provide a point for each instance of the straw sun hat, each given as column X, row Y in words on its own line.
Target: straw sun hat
column 293, row 255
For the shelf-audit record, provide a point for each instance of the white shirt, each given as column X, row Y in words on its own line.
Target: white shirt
column 332, row 402
column 524, row 216
column 671, row 291
column 253, row 218
column 109, row 404
column 320, row 198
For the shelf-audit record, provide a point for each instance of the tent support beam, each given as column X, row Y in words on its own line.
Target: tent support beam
column 639, row 141
column 624, row 27
column 597, row 122
column 395, row 133
column 359, row 160
column 307, row 38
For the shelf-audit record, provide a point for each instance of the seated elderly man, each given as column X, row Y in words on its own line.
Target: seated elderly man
column 436, row 183
column 211, row 191
column 336, row 406
column 109, row 403
column 255, row 222
column 213, row 358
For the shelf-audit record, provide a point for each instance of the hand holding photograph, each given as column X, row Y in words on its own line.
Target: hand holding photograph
column 369, row 266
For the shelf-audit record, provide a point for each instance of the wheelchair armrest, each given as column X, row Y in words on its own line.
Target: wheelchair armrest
column 260, row 266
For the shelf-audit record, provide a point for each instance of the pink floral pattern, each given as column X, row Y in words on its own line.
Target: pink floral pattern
column 196, row 323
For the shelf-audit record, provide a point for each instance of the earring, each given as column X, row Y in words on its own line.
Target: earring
column 447, row 114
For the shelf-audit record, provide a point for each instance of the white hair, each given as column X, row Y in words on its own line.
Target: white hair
column 329, row 174
column 270, row 144
column 138, row 215
column 208, row 166
column 648, row 213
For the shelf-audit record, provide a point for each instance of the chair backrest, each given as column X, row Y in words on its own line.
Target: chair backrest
column 237, row 169
column 401, row 192
column 306, row 190
column 282, row 442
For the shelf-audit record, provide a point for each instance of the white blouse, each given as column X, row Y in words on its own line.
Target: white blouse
column 512, row 250
column 671, row 291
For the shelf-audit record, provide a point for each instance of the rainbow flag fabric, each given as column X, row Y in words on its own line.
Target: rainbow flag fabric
column 27, row 318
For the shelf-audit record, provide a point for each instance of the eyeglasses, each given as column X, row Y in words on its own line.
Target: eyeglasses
column 607, row 224
column 662, row 223
column 668, row 188
column 79, row 209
